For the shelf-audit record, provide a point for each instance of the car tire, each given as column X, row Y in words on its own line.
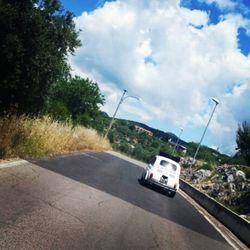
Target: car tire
column 172, row 194
column 142, row 179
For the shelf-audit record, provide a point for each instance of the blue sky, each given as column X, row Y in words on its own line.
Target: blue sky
column 175, row 55
column 215, row 16
column 79, row 6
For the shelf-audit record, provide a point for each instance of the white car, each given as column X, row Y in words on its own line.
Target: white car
column 164, row 173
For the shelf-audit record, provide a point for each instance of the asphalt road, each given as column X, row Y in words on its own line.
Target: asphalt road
column 94, row 201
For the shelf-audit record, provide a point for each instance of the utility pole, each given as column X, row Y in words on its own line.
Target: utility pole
column 112, row 120
column 176, row 145
column 197, row 150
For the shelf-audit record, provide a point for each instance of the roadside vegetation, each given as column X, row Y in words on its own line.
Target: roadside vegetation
column 43, row 109
column 28, row 137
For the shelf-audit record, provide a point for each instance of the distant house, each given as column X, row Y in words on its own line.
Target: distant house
column 140, row 129
column 179, row 147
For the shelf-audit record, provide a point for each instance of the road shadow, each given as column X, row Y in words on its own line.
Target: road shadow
column 155, row 188
column 119, row 178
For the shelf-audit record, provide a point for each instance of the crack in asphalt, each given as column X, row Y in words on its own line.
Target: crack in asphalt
column 50, row 204
column 155, row 238
column 100, row 203
column 23, row 179
column 66, row 212
column 23, row 228
column 38, row 174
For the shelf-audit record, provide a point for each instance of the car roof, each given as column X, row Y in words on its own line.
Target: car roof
column 167, row 159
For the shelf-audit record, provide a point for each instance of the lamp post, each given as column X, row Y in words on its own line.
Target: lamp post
column 197, row 150
column 123, row 97
column 176, row 145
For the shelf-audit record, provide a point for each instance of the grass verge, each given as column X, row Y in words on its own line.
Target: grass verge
column 39, row 137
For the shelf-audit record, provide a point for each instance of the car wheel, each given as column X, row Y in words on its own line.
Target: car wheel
column 172, row 194
column 142, row 179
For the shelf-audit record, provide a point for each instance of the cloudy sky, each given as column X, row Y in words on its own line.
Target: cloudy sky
column 176, row 56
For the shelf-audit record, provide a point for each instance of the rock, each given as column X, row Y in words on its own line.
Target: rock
column 230, row 178
column 240, row 175
column 221, row 169
column 232, row 187
column 221, row 194
column 241, row 186
column 207, row 186
column 234, row 169
column 228, row 185
column 207, row 173
column 214, row 178
column 202, row 173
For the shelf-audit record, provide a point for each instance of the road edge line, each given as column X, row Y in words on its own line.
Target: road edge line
column 230, row 238
column 228, row 235
column 12, row 164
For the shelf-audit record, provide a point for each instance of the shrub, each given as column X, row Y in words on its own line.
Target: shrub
column 207, row 166
column 37, row 137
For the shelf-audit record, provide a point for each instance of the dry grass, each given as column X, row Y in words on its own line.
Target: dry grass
column 31, row 138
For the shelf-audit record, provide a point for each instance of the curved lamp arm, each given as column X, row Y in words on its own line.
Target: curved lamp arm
column 121, row 100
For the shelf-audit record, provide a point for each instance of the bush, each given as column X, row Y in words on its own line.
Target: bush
column 207, row 166
column 37, row 137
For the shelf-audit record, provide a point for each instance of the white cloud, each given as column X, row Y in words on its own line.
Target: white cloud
column 223, row 4
column 153, row 49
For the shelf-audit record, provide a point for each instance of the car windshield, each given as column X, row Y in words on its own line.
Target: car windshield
column 169, row 166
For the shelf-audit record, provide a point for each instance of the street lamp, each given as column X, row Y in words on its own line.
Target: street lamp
column 123, row 97
column 197, row 150
column 176, row 145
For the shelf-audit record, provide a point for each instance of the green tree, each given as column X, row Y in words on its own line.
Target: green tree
column 166, row 148
column 81, row 98
column 149, row 153
column 124, row 147
column 155, row 143
column 36, row 36
column 138, row 152
column 100, row 123
column 243, row 141
column 58, row 110
column 112, row 136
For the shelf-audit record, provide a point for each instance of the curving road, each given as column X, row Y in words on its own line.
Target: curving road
column 94, row 201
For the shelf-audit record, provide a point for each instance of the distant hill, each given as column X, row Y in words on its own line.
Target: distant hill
column 125, row 138
column 165, row 136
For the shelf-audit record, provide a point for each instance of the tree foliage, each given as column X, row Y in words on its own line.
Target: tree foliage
column 143, row 147
column 243, row 141
column 35, row 38
column 75, row 99
column 125, row 138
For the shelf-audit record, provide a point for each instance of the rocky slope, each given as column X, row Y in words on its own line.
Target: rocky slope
column 228, row 184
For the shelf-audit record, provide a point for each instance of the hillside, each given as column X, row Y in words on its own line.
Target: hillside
column 165, row 136
column 222, row 177
column 125, row 138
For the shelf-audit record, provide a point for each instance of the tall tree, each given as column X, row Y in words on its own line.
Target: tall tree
column 243, row 141
column 75, row 98
column 36, row 37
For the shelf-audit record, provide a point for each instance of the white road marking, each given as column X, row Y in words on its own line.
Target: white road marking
column 91, row 156
column 228, row 236
column 13, row 164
